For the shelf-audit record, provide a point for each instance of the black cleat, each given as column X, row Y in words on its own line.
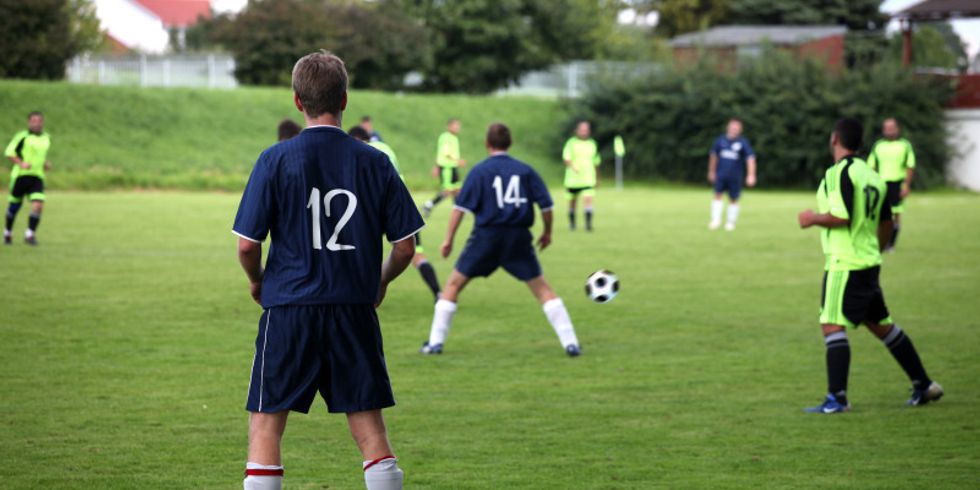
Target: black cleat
column 573, row 350
column 932, row 393
column 8, row 240
column 32, row 241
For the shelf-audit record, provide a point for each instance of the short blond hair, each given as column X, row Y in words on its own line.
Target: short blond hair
column 320, row 82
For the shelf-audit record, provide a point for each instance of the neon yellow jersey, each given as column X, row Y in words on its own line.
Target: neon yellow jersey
column 387, row 150
column 851, row 190
column 891, row 158
column 584, row 155
column 31, row 148
column 447, row 150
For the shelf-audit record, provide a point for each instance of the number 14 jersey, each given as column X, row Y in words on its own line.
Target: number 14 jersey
column 851, row 190
column 326, row 199
column 502, row 191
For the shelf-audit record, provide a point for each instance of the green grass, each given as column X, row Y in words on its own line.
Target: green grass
column 128, row 137
column 128, row 336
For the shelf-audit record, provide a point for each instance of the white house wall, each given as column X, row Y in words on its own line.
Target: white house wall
column 133, row 25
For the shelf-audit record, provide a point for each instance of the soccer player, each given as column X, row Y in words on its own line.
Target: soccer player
column 500, row 193
column 368, row 124
column 729, row 153
column 28, row 151
column 894, row 160
column 420, row 261
column 581, row 157
column 448, row 163
column 288, row 129
column 326, row 199
column 855, row 223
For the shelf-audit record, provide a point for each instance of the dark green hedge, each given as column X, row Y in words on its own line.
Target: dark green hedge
column 670, row 119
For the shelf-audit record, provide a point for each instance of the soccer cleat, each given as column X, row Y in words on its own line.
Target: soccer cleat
column 729, row 226
column 830, row 405
column 931, row 394
column 430, row 349
column 573, row 350
column 714, row 225
column 427, row 208
column 8, row 239
column 30, row 240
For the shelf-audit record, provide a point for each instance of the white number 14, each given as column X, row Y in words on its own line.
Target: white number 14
column 314, row 205
column 513, row 193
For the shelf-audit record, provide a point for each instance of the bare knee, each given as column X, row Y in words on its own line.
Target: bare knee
column 880, row 331
column 37, row 207
column 831, row 329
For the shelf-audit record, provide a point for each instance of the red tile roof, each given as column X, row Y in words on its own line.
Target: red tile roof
column 178, row 13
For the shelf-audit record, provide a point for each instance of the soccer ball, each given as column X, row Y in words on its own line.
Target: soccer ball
column 602, row 286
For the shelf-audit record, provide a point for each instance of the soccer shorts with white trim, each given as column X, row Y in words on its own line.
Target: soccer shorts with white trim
column 850, row 298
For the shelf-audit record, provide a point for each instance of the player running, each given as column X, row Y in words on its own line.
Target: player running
column 499, row 192
column 326, row 199
column 729, row 154
column 448, row 163
column 28, row 151
column 855, row 223
column 420, row 262
column 581, row 157
column 894, row 160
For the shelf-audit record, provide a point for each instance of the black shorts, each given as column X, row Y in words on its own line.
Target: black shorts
column 332, row 349
column 850, row 298
column 29, row 186
column 893, row 197
column 491, row 248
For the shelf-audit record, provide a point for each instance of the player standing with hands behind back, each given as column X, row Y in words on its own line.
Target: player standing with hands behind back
column 729, row 153
column 28, row 151
column 581, row 157
column 326, row 199
column 894, row 160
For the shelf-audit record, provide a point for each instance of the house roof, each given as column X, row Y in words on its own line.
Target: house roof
column 941, row 9
column 177, row 13
column 754, row 35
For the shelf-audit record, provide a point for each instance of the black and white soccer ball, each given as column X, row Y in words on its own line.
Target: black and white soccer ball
column 602, row 286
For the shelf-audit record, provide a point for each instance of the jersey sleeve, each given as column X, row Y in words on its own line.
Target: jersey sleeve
column 469, row 196
column 596, row 158
column 14, row 144
column 566, row 152
column 402, row 218
column 910, row 156
column 747, row 148
column 539, row 192
column 841, row 198
column 258, row 205
column 873, row 158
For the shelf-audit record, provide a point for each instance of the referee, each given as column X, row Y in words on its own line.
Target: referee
column 893, row 158
column 28, row 151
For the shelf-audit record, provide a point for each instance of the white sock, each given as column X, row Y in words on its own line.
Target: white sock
column 560, row 321
column 28, row 233
column 716, row 208
column 383, row 474
column 263, row 476
column 732, row 213
column 441, row 321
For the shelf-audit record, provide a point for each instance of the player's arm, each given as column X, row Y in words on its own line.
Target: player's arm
column 547, row 217
column 885, row 227
column 810, row 218
column 909, row 172
column 750, row 170
column 454, row 220
column 14, row 149
column 712, row 166
column 567, row 156
column 841, row 207
column 250, row 257
column 401, row 255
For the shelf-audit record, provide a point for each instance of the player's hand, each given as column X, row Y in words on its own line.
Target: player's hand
column 906, row 190
column 445, row 249
column 711, row 177
column 543, row 241
column 24, row 165
column 382, row 291
column 806, row 218
column 462, row 163
column 435, row 172
column 750, row 181
column 47, row 165
column 255, row 289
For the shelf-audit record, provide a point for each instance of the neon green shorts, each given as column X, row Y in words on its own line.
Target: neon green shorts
column 449, row 179
column 851, row 298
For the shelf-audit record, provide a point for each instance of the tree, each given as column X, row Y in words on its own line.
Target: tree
column 680, row 16
column 855, row 14
column 40, row 36
column 933, row 46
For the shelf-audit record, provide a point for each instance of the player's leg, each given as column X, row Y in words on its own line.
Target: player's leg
column 16, row 200
column 893, row 198
column 445, row 309
column 734, row 193
column 572, row 198
column 833, row 324
column 264, row 468
column 381, row 471
column 717, row 205
column 37, row 206
column 425, row 269
column 588, row 196
column 554, row 310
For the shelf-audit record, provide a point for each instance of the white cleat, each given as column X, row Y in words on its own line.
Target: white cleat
column 729, row 226
column 714, row 225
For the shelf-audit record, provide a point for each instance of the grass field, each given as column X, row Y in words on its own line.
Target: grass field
column 128, row 337
column 106, row 137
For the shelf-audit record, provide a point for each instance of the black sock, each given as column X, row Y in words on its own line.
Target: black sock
column 437, row 199
column 838, row 364
column 11, row 214
column 571, row 219
column 588, row 219
column 429, row 276
column 904, row 352
column 33, row 221
column 894, row 240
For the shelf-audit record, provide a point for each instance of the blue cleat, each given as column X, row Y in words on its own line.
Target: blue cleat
column 573, row 350
column 830, row 405
column 932, row 393
column 430, row 349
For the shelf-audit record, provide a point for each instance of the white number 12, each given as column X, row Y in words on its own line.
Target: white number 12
column 513, row 193
column 314, row 205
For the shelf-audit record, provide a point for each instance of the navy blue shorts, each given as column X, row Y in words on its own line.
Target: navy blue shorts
column 333, row 349
column 732, row 184
column 492, row 247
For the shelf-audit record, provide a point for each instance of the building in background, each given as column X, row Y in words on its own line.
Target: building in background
column 145, row 25
column 728, row 44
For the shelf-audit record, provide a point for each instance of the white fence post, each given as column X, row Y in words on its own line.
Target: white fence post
column 211, row 72
column 143, row 70
column 101, row 72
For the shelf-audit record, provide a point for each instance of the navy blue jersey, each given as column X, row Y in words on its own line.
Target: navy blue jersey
column 326, row 199
column 501, row 191
column 732, row 155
